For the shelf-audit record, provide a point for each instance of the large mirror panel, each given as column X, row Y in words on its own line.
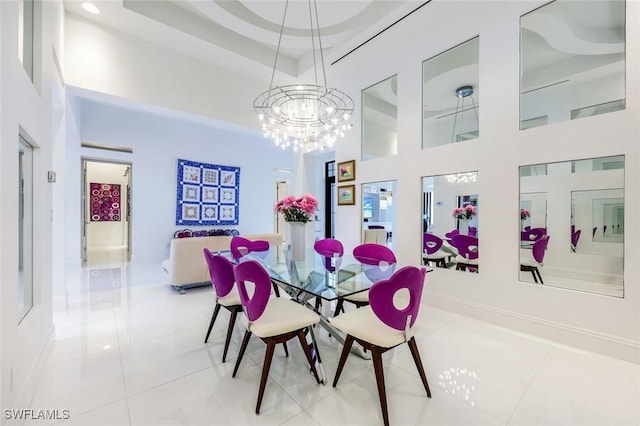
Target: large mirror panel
column 572, row 61
column 450, row 230
column 379, row 212
column 380, row 119
column 451, row 95
column 572, row 232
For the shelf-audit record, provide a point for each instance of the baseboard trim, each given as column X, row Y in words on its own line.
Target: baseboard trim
column 594, row 341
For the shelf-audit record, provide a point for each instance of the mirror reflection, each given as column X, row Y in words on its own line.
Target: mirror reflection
column 451, row 95
column 378, row 212
column 572, row 233
column 450, row 211
column 572, row 60
column 380, row 119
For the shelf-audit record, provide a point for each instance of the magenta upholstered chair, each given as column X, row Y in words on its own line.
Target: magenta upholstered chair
column 467, row 247
column 222, row 279
column 383, row 326
column 332, row 251
column 241, row 246
column 432, row 250
column 537, row 256
column 575, row 237
column 379, row 263
column 451, row 233
column 274, row 320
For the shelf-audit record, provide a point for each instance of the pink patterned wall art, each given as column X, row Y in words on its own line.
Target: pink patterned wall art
column 105, row 202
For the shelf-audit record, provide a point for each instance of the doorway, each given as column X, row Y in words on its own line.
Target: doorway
column 330, row 196
column 280, row 224
column 106, row 211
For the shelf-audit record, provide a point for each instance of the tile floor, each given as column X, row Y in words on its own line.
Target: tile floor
column 129, row 351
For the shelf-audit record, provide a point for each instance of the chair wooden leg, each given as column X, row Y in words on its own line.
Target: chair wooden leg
column 286, row 350
column 348, row 342
column 213, row 320
column 339, row 307
column 382, row 393
column 243, row 347
column 416, row 358
column 232, row 321
column 268, row 356
column 307, row 352
column 539, row 276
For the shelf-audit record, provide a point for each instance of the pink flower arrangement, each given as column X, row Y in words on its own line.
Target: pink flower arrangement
column 297, row 209
column 466, row 212
column 524, row 214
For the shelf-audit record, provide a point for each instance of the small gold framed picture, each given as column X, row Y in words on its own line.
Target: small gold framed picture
column 347, row 171
column 346, row 195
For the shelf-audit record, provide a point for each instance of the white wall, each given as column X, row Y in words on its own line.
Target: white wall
column 607, row 324
column 157, row 142
column 35, row 110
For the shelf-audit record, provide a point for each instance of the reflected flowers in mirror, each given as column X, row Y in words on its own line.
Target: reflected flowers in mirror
column 524, row 214
column 466, row 212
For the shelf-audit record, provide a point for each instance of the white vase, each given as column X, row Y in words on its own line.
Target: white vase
column 296, row 237
column 463, row 226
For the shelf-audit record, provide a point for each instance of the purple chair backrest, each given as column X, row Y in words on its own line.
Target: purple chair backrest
column 539, row 248
column 524, row 235
column 467, row 246
column 373, row 254
column 473, row 231
column 431, row 243
column 379, row 260
column 451, row 233
column 381, row 297
column 255, row 304
column 241, row 246
column 575, row 237
column 327, row 248
column 220, row 271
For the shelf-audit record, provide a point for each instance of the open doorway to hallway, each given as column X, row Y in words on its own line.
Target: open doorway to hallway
column 106, row 209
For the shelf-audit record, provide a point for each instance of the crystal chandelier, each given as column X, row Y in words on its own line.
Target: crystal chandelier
column 462, row 177
column 306, row 117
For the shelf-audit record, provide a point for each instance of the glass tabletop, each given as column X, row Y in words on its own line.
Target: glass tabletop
column 328, row 278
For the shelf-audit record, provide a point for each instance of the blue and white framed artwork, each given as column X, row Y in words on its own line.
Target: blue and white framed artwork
column 208, row 194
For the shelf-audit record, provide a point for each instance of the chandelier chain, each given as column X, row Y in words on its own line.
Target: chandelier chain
column 275, row 62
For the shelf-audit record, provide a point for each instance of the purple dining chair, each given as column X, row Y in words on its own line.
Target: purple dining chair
column 467, row 247
column 379, row 263
column 222, row 280
column 276, row 320
column 575, row 237
column 241, row 246
column 332, row 251
column 383, row 326
column 432, row 250
column 451, row 233
column 537, row 256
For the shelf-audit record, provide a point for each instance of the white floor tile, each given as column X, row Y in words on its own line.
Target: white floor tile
column 129, row 350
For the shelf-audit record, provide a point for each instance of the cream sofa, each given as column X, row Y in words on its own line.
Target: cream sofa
column 186, row 266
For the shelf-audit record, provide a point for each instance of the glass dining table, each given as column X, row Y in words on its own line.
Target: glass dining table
column 327, row 278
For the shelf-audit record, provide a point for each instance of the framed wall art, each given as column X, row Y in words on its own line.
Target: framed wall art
column 346, row 195
column 208, row 194
column 105, row 202
column 347, row 171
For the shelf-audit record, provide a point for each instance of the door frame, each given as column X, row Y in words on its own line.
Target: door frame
column 84, row 190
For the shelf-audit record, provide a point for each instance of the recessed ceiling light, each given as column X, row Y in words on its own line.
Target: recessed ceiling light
column 90, row 7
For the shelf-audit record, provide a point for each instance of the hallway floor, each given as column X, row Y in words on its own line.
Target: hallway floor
column 129, row 350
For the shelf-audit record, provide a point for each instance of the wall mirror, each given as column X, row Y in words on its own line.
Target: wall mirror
column 379, row 212
column 572, row 61
column 450, row 226
column 451, row 95
column 564, row 242
column 380, row 119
